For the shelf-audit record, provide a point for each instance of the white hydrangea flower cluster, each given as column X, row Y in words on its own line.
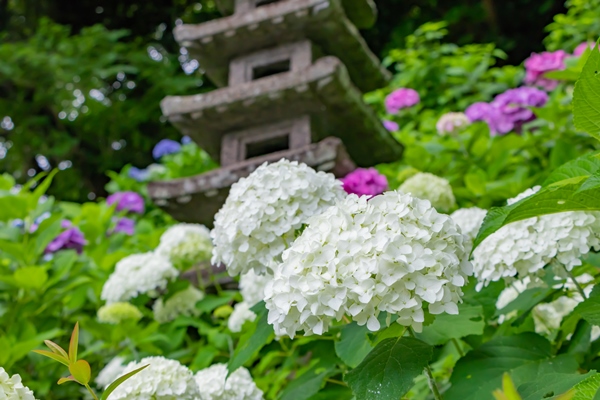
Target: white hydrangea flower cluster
column 181, row 303
column 215, row 385
column 111, row 371
column 451, row 122
column 241, row 313
column 263, row 212
column 524, row 248
column 252, row 287
column 469, row 220
column 430, row 187
column 137, row 274
column 115, row 313
column 393, row 253
column 11, row 387
column 163, row 379
column 186, row 245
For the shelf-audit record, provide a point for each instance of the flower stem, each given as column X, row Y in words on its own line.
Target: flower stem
column 461, row 353
column 577, row 285
column 91, row 391
column 429, row 374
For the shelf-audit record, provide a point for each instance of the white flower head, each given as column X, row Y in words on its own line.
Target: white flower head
column 430, row 187
column 137, row 274
column 186, row 245
column 252, row 286
column 524, row 248
column 111, row 371
column 263, row 212
column 469, row 220
column 241, row 313
column 451, row 122
column 163, row 379
column 394, row 253
column 181, row 303
column 215, row 385
column 11, row 387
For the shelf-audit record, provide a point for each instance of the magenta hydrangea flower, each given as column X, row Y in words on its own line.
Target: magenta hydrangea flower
column 401, row 98
column 579, row 50
column 391, row 125
column 71, row 238
column 365, row 182
column 128, row 201
column 509, row 110
column 124, row 225
column 540, row 63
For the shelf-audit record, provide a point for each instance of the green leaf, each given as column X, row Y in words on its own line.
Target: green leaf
column 211, row 302
column 527, row 357
column 549, row 383
column 31, row 277
column 586, row 97
column 74, row 343
column 257, row 335
column 309, row 383
column 354, row 344
column 388, row 371
column 468, row 321
column 111, row 388
column 589, row 309
column 579, row 193
column 54, row 356
column 81, row 371
column 588, row 388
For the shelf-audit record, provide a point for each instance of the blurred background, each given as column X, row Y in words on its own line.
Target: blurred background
column 80, row 84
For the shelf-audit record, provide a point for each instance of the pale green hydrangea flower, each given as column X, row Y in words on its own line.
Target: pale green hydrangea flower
column 427, row 186
column 181, row 303
column 115, row 313
column 185, row 245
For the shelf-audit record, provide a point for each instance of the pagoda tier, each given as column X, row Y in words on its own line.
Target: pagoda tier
column 323, row 91
column 215, row 43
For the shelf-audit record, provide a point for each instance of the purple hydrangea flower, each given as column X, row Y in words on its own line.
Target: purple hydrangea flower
column 540, row 63
column 125, row 225
column 138, row 174
column 129, row 201
column 579, row 50
column 509, row 110
column 390, row 125
column 164, row 147
column 72, row 238
column 401, row 98
column 186, row 140
column 365, row 182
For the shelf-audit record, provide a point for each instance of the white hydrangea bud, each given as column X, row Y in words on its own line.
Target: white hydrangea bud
column 451, row 122
column 241, row 313
column 115, row 313
column 163, row 379
column 252, row 286
column 427, row 186
column 524, row 248
column 263, row 212
column 394, row 253
column 215, row 385
column 137, row 274
column 181, row 303
column 11, row 387
column 111, row 371
column 186, row 245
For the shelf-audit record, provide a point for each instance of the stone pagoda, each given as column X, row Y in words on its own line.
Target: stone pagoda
column 292, row 76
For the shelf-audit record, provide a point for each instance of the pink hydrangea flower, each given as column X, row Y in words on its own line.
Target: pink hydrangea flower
column 540, row 63
column 579, row 50
column 365, row 182
column 129, row 201
column 391, row 125
column 401, row 98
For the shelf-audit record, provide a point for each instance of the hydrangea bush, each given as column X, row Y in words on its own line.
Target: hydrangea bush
column 355, row 288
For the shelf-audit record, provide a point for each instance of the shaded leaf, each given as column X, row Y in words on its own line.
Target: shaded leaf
column 353, row 345
column 589, row 309
column 257, row 335
column 586, row 97
column 469, row 321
